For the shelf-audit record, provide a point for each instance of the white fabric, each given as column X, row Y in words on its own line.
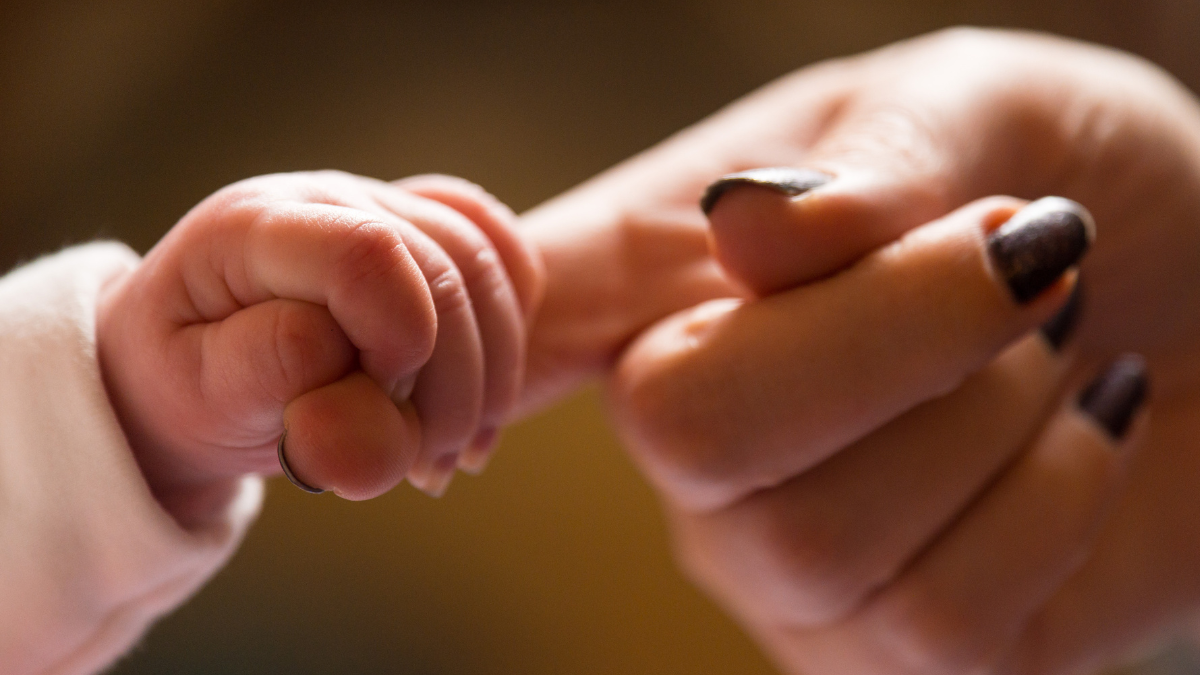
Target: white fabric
column 88, row 559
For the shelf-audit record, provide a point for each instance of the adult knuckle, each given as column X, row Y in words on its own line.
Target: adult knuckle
column 931, row 634
column 779, row 569
column 899, row 133
column 674, row 435
column 817, row 563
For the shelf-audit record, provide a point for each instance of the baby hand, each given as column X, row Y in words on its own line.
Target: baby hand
column 382, row 326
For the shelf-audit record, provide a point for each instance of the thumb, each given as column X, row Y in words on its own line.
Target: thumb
column 869, row 180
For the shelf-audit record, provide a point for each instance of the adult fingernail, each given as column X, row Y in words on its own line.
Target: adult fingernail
column 1061, row 326
column 1043, row 240
column 287, row 469
column 477, row 456
column 441, row 474
column 789, row 181
column 1113, row 398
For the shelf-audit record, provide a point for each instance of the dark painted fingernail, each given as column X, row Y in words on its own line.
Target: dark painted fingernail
column 287, row 470
column 1060, row 327
column 789, row 181
column 1113, row 398
column 1043, row 240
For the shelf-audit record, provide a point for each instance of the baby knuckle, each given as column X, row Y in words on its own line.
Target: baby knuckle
column 248, row 188
column 962, row 39
column 305, row 344
column 457, row 183
column 370, row 251
column 328, row 176
column 485, row 271
column 274, row 192
column 980, row 47
column 237, row 207
column 449, row 291
column 294, row 351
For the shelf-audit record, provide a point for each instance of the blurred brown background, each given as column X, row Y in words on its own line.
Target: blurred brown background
column 115, row 117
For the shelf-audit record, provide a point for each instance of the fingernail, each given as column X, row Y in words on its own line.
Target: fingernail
column 441, row 474
column 1059, row 328
column 789, row 181
column 477, row 456
column 1043, row 240
column 287, row 470
column 1115, row 396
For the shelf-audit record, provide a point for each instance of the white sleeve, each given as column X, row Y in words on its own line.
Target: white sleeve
column 88, row 559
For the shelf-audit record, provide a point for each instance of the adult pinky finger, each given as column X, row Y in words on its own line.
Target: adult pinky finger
column 961, row 606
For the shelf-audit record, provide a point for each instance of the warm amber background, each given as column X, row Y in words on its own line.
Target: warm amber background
column 116, row 116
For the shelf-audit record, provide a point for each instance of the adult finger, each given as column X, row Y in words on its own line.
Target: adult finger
column 1139, row 584
column 730, row 398
column 932, row 125
column 638, row 221
column 349, row 437
column 961, row 606
column 808, row 551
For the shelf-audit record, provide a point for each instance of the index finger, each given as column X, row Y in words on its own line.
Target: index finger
column 729, row 398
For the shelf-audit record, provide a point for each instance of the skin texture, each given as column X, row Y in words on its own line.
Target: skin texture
column 866, row 456
column 379, row 323
column 868, row 485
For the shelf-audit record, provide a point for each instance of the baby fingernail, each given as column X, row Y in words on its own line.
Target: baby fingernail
column 1113, row 398
column 477, row 456
column 287, row 469
column 1043, row 240
column 789, row 181
column 441, row 474
column 1060, row 327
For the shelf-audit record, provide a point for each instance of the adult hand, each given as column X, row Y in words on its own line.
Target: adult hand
column 845, row 518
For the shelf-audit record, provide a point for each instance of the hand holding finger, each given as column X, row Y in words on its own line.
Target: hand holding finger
column 829, row 362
